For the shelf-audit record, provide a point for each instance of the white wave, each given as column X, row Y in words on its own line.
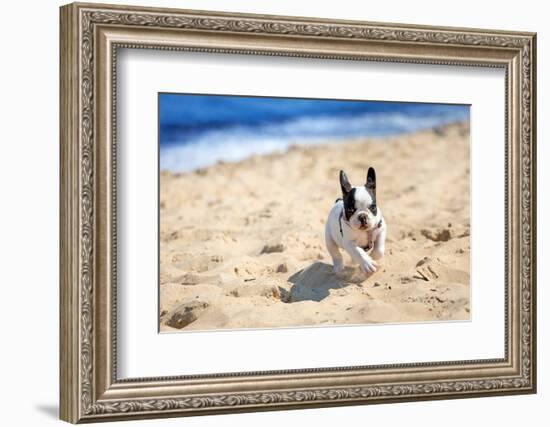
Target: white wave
column 239, row 142
column 207, row 151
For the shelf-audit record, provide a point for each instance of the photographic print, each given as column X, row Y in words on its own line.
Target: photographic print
column 288, row 212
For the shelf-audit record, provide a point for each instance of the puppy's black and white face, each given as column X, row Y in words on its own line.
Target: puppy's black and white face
column 360, row 208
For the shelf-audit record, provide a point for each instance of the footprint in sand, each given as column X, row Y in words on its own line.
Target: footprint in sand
column 185, row 313
column 194, row 263
column 250, row 270
column 438, row 235
column 426, row 269
column 273, row 247
column 191, row 279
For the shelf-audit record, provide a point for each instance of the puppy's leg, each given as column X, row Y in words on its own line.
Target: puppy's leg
column 367, row 264
column 332, row 247
column 379, row 245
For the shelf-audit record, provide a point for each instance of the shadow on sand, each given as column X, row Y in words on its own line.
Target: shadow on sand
column 314, row 283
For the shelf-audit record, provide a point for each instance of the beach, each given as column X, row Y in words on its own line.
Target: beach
column 242, row 244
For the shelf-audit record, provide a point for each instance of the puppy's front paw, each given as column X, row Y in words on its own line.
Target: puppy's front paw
column 368, row 265
column 338, row 267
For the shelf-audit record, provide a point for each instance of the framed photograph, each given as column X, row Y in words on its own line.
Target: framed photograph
column 266, row 213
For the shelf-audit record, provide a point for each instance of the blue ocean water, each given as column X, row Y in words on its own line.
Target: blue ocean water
column 200, row 130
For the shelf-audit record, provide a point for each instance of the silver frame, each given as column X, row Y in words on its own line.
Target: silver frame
column 90, row 37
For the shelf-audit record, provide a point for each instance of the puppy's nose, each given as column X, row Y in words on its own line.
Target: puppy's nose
column 362, row 218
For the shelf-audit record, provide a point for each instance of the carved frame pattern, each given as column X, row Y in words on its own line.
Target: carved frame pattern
column 79, row 399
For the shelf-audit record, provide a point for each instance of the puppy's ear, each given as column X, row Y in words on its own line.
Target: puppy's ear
column 344, row 183
column 371, row 180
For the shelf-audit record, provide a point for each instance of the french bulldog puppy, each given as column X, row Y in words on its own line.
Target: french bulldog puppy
column 355, row 224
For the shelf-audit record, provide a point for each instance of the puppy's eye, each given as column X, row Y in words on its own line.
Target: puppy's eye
column 373, row 208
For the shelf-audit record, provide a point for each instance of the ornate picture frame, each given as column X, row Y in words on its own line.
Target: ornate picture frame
column 90, row 37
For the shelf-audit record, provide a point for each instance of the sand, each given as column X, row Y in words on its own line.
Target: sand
column 242, row 244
